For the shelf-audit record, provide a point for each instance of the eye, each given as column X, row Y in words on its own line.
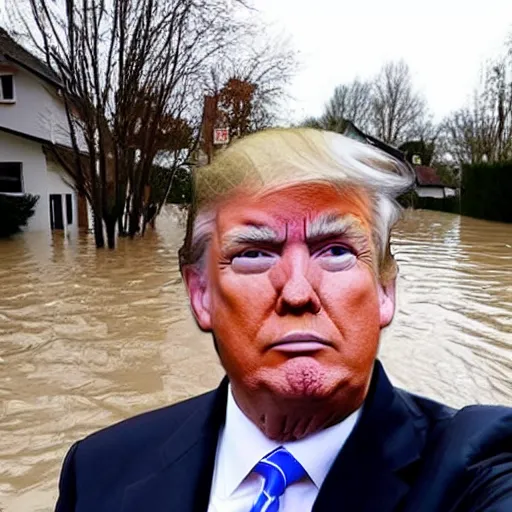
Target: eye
column 337, row 257
column 253, row 253
column 252, row 261
column 336, row 250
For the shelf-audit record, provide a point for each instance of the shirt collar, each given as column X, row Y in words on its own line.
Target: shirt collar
column 242, row 445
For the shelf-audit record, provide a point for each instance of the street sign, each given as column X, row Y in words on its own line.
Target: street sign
column 221, row 136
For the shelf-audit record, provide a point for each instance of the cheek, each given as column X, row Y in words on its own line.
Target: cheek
column 240, row 306
column 240, row 303
column 351, row 301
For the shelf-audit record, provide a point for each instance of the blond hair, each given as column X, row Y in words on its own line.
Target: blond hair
column 279, row 158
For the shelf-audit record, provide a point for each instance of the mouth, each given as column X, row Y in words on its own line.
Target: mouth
column 301, row 342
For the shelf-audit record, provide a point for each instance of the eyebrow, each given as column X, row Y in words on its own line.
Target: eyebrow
column 251, row 234
column 325, row 226
column 332, row 225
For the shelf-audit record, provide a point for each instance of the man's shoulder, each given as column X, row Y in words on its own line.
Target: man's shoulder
column 473, row 431
column 472, row 416
column 146, row 430
column 99, row 467
column 486, row 429
column 465, row 459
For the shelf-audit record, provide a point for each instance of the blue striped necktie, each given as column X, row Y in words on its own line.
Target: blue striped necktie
column 279, row 470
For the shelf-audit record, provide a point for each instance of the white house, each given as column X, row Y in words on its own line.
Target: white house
column 32, row 115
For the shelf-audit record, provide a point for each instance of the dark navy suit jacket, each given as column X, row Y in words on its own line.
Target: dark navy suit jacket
column 406, row 454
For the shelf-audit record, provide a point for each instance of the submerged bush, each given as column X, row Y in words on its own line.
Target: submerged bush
column 15, row 212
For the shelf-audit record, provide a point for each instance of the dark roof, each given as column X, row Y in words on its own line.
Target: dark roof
column 11, row 51
column 427, row 176
column 351, row 130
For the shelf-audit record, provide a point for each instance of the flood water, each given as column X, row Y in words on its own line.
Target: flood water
column 88, row 338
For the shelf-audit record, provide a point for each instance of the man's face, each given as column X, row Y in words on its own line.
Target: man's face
column 291, row 292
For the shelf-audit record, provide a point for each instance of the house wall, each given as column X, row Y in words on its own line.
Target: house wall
column 30, row 154
column 38, row 111
column 40, row 178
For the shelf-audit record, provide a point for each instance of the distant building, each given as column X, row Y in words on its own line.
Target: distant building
column 430, row 184
column 32, row 116
column 352, row 131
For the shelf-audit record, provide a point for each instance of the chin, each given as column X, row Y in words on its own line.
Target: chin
column 302, row 377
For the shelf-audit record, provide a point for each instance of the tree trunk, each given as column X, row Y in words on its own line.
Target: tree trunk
column 145, row 219
column 134, row 227
column 120, row 227
column 111, row 232
column 98, row 232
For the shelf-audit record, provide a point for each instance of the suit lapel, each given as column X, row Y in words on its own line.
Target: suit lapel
column 374, row 468
column 183, row 480
column 372, row 472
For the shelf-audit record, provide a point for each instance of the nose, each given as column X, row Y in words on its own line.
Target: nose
column 297, row 294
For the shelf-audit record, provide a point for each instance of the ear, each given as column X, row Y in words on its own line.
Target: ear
column 387, row 303
column 199, row 296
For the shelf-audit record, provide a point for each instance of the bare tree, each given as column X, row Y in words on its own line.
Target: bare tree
column 250, row 80
column 465, row 136
column 386, row 107
column 397, row 107
column 351, row 102
column 482, row 131
column 131, row 70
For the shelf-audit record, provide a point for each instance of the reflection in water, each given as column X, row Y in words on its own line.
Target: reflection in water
column 90, row 337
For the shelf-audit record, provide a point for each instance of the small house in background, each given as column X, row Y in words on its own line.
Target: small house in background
column 430, row 184
column 33, row 117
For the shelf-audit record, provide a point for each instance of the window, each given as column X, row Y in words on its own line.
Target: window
column 11, row 177
column 6, row 88
column 56, row 216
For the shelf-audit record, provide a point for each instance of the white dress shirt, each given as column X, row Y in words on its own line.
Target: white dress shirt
column 242, row 445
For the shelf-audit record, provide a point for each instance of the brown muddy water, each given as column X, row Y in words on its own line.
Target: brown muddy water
column 88, row 338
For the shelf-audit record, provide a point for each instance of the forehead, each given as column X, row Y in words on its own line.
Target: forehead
column 296, row 205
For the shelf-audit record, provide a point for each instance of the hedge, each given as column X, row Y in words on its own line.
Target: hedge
column 180, row 192
column 487, row 191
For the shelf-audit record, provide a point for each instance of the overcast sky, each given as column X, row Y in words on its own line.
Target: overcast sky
column 444, row 42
